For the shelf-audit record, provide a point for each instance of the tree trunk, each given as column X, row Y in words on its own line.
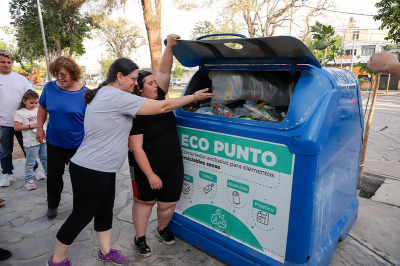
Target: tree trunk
column 71, row 36
column 58, row 48
column 366, row 134
column 152, row 20
column 30, row 72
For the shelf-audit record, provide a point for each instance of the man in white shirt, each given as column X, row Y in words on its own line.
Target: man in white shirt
column 12, row 88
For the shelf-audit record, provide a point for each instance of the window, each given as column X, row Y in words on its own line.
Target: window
column 348, row 52
column 367, row 51
column 356, row 35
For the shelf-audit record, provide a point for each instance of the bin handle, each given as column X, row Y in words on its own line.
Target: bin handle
column 221, row 34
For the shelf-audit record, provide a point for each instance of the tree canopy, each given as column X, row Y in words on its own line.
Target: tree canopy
column 65, row 28
column 121, row 36
column 263, row 18
column 206, row 27
column 389, row 15
column 106, row 63
column 178, row 71
column 325, row 43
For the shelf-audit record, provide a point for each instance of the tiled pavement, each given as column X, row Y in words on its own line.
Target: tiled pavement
column 30, row 235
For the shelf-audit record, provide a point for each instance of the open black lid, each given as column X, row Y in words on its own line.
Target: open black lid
column 264, row 50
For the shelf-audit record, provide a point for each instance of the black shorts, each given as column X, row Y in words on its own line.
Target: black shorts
column 172, row 182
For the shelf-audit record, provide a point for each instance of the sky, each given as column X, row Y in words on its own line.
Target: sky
column 182, row 23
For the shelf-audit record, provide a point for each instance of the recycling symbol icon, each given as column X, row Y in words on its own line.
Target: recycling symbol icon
column 218, row 219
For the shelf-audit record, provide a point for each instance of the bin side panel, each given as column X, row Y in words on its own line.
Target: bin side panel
column 338, row 163
column 310, row 91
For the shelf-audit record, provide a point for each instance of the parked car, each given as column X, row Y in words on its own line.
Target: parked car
column 175, row 81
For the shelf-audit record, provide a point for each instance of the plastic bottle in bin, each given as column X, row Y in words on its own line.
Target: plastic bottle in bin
column 262, row 113
column 222, row 110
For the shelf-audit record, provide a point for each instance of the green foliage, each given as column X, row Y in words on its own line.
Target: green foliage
column 326, row 42
column 178, row 71
column 17, row 69
column 389, row 15
column 362, row 81
column 203, row 28
column 65, row 29
column 206, row 27
column 106, row 63
column 388, row 47
column 363, row 68
column 3, row 45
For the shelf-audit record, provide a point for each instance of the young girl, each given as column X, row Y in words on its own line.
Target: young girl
column 25, row 121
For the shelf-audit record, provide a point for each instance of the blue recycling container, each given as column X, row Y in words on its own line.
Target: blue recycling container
column 262, row 193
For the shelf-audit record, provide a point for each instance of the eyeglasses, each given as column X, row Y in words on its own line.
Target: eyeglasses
column 134, row 79
column 56, row 75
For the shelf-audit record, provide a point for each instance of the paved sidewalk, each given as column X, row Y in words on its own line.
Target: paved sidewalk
column 30, row 235
column 26, row 231
column 373, row 240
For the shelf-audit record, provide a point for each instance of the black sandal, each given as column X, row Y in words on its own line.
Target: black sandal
column 2, row 203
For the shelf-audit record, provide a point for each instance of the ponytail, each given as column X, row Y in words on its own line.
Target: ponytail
column 122, row 65
column 89, row 94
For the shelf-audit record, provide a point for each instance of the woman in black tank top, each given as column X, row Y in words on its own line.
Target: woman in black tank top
column 155, row 158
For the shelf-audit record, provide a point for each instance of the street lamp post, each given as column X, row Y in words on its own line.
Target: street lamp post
column 44, row 40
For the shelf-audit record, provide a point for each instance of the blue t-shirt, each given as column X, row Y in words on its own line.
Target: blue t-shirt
column 66, row 114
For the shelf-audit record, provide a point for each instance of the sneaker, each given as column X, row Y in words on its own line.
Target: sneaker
column 51, row 213
column 30, row 185
column 166, row 236
column 141, row 246
column 113, row 256
column 65, row 262
column 6, row 180
column 38, row 174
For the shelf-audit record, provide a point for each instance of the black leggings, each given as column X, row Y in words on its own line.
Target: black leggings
column 94, row 193
column 56, row 159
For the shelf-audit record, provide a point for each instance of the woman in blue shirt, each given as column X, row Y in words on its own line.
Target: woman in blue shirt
column 63, row 100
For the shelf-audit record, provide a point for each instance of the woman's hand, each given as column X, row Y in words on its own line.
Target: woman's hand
column 378, row 62
column 202, row 95
column 171, row 39
column 155, row 181
column 40, row 135
column 34, row 125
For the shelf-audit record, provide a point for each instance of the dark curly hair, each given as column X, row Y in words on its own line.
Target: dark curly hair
column 123, row 65
column 69, row 64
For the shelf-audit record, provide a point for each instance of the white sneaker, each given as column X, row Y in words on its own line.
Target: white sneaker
column 30, row 185
column 6, row 180
column 38, row 174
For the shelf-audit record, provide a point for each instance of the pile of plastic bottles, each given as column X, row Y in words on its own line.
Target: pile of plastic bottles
column 249, row 110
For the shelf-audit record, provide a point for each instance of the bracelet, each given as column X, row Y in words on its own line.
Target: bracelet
column 195, row 100
column 39, row 128
column 388, row 65
column 30, row 126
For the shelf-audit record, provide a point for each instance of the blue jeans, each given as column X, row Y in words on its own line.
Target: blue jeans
column 31, row 155
column 7, row 146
